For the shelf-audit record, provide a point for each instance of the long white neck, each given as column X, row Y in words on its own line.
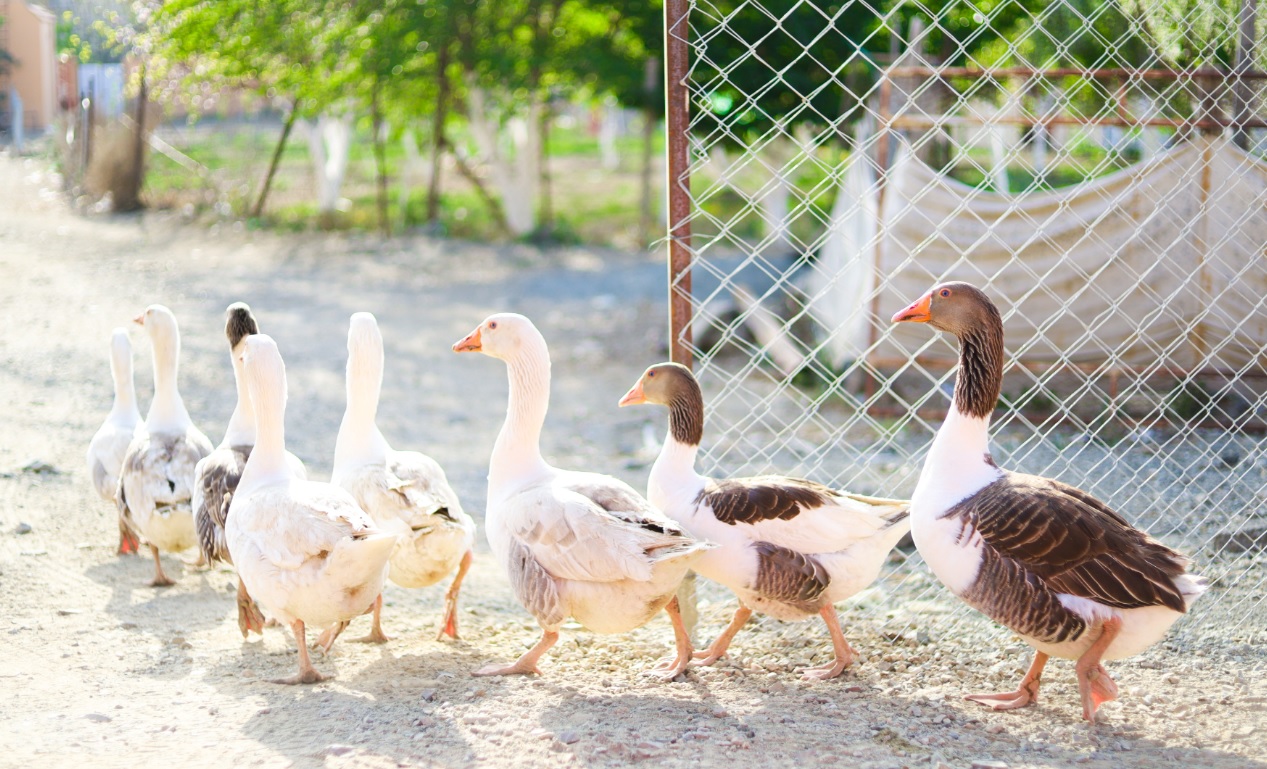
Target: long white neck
column 124, row 408
column 958, row 466
column 167, row 411
column 673, row 471
column 267, row 463
column 516, row 458
column 241, row 430
column 360, row 442
column 960, row 438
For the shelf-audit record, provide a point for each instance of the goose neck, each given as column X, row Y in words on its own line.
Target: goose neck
column 517, row 453
column 167, row 411
column 241, row 430
column 674, row 469
column 268, row 457
column 124, row 385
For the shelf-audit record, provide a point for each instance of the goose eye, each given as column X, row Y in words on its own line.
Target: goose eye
column 650, row 374
column 492, row 324
column 945, row 292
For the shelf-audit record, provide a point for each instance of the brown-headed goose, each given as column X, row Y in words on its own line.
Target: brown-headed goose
column 787, row 547
column 574, row 544
column 305, row 550
column 157, row 479
column 110, row 444
column 1049, row 561
column 216, row 475
column 405, row 492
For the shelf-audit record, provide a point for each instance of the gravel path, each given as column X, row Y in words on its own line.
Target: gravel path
column 101, row 670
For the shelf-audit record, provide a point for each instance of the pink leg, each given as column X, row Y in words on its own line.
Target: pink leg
column 1025, row 694
column 450, row 626
column 845, row 654
column 129, row 544
column 525, row 664
column 329, row 635
column 717, row 649
column 160, row 579
column 307, row 673
column 1094, row 683
column 249, row 615
column 376, row 635
column 670, row 668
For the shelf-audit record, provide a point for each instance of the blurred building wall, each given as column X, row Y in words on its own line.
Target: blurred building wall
column 29, row 34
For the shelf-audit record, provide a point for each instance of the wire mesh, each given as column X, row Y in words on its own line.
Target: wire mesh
column 1095, row 166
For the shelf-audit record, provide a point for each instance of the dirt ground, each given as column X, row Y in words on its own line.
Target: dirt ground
column 98, row 669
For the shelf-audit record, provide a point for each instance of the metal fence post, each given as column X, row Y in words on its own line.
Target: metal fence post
column 678, row 183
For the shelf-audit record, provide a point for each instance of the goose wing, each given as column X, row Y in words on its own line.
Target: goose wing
column 1073, row 542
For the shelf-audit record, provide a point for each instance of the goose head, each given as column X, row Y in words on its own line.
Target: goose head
column 662, row 384
column 957, row 308
column 501, row 336
column 158, row 321
column 365, row 341
column 264, row 369
column 239, row 323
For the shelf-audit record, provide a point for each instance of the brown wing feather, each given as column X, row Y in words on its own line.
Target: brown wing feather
column 218, row 484
column 1073, row 542
column 752, row 500
column 789, row 577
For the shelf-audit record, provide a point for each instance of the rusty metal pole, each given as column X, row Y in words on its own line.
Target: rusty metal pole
column 677, row 61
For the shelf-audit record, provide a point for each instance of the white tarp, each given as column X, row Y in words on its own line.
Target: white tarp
column 1160, row 262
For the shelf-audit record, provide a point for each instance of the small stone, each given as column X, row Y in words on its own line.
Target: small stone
column 988, row 765
column 855, row 689
column 419, row 736
column 23, row 528
column 995, row 729
column 428, row 695
column 718, row 712
column 248, row 673
column 100, row 718
column 264, row 711
column 569, row 737
column 1172, row 679
column 40, row 467
column 128, row 626
column 339, row 750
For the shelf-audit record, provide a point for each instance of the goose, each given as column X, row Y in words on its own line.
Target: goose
column 1051, row 562
column 157, row 479
column 216, row 475
column 787, row 547
column 574, row 544
column 305, row 550
column 405, row 492
column 110, row 444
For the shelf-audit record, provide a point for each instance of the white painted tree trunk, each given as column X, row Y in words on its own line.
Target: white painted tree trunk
column 608, row 130
column 513, row 163
column 329, row 142
column 415, row 172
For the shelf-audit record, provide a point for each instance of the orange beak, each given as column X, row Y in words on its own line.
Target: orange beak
column 469, row 343
column 634, row 396
column 139, row 320
column 920, row 312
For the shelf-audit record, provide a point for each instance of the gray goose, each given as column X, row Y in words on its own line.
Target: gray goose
column 1049, row 561
column 216, row 475
column 157, row 477
column 574, row 544
column 787, row 547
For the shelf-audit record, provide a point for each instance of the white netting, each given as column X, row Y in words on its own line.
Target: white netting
column 1095, row 166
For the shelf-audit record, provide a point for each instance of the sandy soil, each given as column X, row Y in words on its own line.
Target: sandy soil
column 97, row 668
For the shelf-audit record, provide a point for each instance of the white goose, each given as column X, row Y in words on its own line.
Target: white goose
column 787, row 547
column 1049, row 561
column 157, row 478
column 574, row 544
column 110, row 444
column 304, row 550
column 405, row 492
column 216, row 475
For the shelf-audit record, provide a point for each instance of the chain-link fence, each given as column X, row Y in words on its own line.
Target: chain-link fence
column 1094, row 165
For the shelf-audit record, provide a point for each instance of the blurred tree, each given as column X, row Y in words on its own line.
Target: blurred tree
column 283, row 49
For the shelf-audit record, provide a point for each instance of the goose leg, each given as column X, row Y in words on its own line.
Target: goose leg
column 717, row 649
column 249, row 615
column 1094, row 683
column 160, row 579
column 376, row 635
column 328, row 636
column 845, row 654
column 307, row 673
column 670, row 668
column 450, row 626
column 525, row 664
column 129, row 543
column 1025, row 694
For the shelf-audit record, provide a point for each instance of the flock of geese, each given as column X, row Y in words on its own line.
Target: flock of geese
column 1066, row 573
